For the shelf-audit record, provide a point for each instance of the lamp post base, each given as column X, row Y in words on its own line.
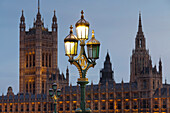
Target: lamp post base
column 83, row 83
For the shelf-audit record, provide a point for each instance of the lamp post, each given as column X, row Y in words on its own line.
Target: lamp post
column 54, row 96
column 82, row 62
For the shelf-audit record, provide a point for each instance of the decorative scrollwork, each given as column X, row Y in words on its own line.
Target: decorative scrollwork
column 83, row 62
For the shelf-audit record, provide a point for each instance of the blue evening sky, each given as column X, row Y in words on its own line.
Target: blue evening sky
column 114, row 22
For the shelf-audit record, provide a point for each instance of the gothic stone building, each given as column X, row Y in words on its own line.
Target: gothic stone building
column 38, row 70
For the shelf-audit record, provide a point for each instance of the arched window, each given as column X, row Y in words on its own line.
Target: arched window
column 16, row 107
column 43, row 59
column 22, row 107
column 26, row 86
column 33, row 59
column 27, row 109
column 153, row 84
column 33, row 107
column 39, row 107
column 26, row 60
column 46, row 60
column 0, row 108
column 10, row 108
column 49, row 60
column 45, row 107
column 30, row 60
column 103, row 105
column 144, row 84
column 96, row 106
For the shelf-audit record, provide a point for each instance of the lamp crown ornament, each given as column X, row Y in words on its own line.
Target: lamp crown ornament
column 71, row 29
column 93, row 33
column 82, row 16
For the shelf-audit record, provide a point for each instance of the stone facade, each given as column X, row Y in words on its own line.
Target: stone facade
column 38, row 70
column 39, row 53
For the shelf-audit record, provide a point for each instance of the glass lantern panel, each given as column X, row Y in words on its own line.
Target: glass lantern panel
column 94, row 52
column 58, row 92
column 71, row 48
column 50, row 92
column 54, row 87
column 90, row 52
column 98, row 47
column 82, row 32
column 75, row 48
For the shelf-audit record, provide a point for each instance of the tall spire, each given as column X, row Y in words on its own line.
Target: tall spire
column 38, row 5
column 140, row 23
column 38, row 20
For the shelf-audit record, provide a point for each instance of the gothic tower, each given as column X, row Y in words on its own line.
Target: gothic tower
column 106, row 74
column 38, row 52
column 141, row 70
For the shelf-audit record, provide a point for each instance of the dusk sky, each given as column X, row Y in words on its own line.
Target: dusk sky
column 115, row 23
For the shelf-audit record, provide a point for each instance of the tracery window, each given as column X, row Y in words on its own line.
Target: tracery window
column 5, row 108
column 103, row 105
column 103, row 96
column 10, row 108
column 39, row 107
column 33, row 107
column 95, row 106
column 164, row 103
column 111, row 105
column 27, row 60
column 119, row 105
column 16, row 107
column 156, row 105
column 88, row 96
column 126, row 105
column 61, row 107
column 67, row 107
column 49, row 60
column 27, row 105
column 34, row 87
column 26, row 86
column 95, row 96
column 0, row 108
column 22, row 107
column 45, row 107
column 111, row 96
column 74, row 106
column 135, row 105
column 43, row 59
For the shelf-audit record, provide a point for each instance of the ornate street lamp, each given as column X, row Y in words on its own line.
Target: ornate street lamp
column 82, row 62
column 54, row 96
column 71, row 43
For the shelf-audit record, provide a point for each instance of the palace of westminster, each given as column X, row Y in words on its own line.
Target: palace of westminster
column 38, row 70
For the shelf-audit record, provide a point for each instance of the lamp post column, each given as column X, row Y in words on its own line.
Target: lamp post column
column 83, row 94
column 55, row 105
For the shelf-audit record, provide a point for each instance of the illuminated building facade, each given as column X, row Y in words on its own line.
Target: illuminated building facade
column 38, row 70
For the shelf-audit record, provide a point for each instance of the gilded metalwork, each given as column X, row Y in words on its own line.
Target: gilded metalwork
column 93, row 40
column 83, row 62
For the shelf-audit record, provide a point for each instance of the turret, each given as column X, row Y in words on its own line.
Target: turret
column 160, row 66
column 140, row 39
column 54, row 23
column 67, row 75
column 39, row 22
column 22, row 22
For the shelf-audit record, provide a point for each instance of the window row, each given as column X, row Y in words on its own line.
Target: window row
column 26, row 107
column 46, row 59
column 30, row 60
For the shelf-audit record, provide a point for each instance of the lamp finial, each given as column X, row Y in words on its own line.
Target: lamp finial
column 82, row 12
column 92, row 33
column 71, row 29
